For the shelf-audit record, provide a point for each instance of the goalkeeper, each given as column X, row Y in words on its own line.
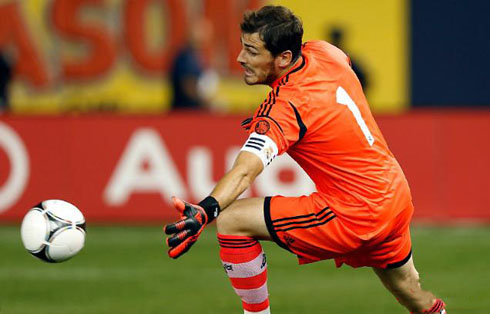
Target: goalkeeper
column 317, row 113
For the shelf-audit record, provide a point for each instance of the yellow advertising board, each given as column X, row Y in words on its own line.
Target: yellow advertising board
column 375, row 35
column 114, row 55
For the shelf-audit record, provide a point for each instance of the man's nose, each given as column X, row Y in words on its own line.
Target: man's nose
column 240, row 58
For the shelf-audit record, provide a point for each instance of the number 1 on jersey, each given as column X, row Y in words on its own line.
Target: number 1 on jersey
column 344, row 99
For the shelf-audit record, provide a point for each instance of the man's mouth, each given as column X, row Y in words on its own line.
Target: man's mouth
column 248, row 72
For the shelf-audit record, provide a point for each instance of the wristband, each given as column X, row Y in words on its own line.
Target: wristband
column 211, row 207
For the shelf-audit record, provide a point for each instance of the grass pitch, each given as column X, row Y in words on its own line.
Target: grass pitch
column 126, row 270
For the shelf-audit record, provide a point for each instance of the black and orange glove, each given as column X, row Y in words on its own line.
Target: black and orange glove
column 185, row 232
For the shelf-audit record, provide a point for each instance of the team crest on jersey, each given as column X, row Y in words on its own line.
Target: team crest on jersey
column 262, row 127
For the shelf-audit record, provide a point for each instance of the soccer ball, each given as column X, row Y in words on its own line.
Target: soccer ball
column 53, row 231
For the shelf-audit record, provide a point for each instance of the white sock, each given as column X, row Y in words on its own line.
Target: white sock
column 266, row 311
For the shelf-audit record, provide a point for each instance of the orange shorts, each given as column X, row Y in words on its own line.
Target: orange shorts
column 307, row 227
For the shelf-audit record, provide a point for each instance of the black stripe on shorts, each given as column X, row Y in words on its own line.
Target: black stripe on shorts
column 268, row 223
column 315, row 222
column 304, row 221
column 295, row 222
column 400, row 263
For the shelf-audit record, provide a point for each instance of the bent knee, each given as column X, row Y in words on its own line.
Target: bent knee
column 243, row 218
column 224, row 222
column 230, row 222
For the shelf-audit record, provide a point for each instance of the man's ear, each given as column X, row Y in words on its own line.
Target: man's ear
column 284, row 59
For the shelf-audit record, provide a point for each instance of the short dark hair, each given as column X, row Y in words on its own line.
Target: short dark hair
column 277, row 26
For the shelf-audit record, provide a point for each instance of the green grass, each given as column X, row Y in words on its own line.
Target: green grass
column 126, row 270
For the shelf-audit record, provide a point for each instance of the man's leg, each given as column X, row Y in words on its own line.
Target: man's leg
column 239, row 228
column 403, row 282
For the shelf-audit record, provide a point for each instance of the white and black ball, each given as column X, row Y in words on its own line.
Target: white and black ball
column 53, row 231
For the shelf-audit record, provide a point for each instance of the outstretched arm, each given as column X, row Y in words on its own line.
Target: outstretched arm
column 185, row 232
column 246, row 168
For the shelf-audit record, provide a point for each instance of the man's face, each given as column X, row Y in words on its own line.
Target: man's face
column 256, row 60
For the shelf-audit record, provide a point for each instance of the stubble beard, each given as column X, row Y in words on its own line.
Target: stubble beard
column 268, row 80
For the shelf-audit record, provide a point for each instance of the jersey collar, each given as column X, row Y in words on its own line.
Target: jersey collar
column 300, row 63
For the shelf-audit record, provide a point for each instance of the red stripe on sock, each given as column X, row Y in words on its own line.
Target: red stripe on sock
column 239, row 250
column 256, row 307
column 438, row 306
column 238, row 255
column 237, row 242
column 226, row 237
column 250, row 282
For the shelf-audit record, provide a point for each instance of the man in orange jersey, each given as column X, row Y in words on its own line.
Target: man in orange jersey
column 317, row 113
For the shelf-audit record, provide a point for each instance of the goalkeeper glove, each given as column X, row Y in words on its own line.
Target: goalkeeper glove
column 185, row 232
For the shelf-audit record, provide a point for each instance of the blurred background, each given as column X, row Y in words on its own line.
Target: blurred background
column 119, row 55
column 116, row 105
column 142, row 98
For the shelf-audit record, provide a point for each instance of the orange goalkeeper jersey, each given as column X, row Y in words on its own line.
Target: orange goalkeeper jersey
column 318, row 114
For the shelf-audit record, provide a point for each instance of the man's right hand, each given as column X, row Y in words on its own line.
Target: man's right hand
column 185, row 232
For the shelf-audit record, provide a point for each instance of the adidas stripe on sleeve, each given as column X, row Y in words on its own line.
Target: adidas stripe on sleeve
column 262, row 146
